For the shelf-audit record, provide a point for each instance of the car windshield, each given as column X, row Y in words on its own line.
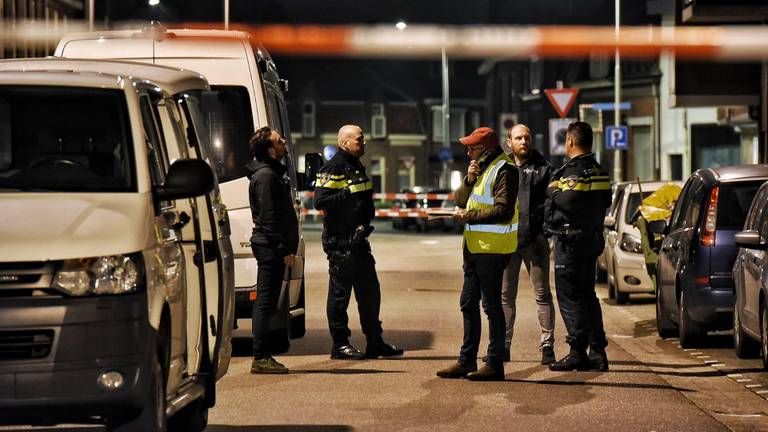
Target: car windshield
column 64, row 139
column 733, row 203
column 633, row 204
column 227, row 110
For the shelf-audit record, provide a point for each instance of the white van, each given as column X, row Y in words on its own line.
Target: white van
column 246, row 93
column 115, row 261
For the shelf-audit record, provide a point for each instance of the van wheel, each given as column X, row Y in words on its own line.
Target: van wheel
column 152, row 416
column 743, row 345
column 664, row 326
column 191, row 418
column 690, row 332
column 299, row 323
column 621, row 297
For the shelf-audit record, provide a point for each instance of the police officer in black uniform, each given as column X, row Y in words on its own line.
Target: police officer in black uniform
column 576, row 203
column 345, row 193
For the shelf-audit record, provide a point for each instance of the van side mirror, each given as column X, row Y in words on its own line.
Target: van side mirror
column 750, row 239
column 657, row 227
column 609, row 222
column 187, row 178
column 312, row 164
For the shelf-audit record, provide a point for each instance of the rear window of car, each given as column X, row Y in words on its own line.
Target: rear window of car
column 733, row 203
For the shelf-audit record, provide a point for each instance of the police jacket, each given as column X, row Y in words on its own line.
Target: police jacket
column 576, row 206
column 535, row 176
column 345, row 193
column 274, row 218
column 504, row 193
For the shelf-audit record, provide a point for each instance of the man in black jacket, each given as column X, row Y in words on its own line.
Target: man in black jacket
column 345, row 193
column 532, row 246
column 274, row 240
column 577, row 199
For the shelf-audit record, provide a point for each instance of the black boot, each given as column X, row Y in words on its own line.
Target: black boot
column 457, row 370
column 346, row 352
column 598, row 359
column 573, row 361
column 487, row 373
column 382, row 349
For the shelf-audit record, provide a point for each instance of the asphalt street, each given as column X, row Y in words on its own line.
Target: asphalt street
column 652, row 384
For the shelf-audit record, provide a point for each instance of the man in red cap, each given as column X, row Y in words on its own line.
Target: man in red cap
column 489, row 195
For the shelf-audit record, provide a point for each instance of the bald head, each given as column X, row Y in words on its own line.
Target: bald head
column 352, row 140
column 519, row 142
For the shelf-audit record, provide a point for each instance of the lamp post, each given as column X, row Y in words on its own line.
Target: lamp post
column 226, row 14
column 445, row 178
column 617, row 97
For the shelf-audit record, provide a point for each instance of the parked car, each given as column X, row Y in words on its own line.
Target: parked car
column 601, row 272
column 422, row 224
column 624, row 258
column 695, row 264
column 750, row 277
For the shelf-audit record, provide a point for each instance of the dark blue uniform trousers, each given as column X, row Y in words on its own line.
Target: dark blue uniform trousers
column 352, row 267
column 483, row 274
column 575, row 287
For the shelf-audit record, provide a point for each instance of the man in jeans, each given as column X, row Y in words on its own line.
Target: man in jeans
column 532, row 246
column 274, row 240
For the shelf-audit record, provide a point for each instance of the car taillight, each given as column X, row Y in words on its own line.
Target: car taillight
column 710, row 221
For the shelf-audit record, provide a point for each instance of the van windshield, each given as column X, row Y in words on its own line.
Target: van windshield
column 227, row 110
column 65, row 139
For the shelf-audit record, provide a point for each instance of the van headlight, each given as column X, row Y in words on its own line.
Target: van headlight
column 630, row 243
column 117, row 274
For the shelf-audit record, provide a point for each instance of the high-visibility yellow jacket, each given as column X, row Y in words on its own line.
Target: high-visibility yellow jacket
column 492, row 236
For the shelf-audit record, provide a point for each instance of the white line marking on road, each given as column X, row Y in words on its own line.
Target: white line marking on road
column 734, row 375
column 761, row 391
column 687, row 349
column 743, row 380
column 718, row 365
column 753, row 385
column 622, row 336
column 702, row 357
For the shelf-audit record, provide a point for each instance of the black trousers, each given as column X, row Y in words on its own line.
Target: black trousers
column 575, row 287
column 483, row 274
column 352, row 267
column 268, row 282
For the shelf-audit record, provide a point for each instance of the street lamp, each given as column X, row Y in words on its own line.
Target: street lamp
column 617, row 97
column 154, row 2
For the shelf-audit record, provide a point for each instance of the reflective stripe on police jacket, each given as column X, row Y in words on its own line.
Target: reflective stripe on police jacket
column 498, row 238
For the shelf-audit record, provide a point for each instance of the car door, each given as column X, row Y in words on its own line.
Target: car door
column 665, row 268
column 611, row 233
column 754, row 263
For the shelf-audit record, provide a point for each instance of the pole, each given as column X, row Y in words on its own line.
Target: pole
column 445, row 179
column 617, row 98
column 91, row 14
column 226, row 14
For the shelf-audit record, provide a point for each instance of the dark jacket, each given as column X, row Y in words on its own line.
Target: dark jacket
column 504, row 194
column 576, row 208
column 535, row 176
column 274, row 218
column 345, row 193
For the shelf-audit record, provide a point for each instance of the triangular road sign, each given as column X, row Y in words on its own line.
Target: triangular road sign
column 562, row 99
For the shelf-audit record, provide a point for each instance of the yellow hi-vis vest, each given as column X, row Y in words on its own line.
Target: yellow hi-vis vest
column 500, row 238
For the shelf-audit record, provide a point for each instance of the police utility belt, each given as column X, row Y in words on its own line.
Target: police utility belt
column 357, row 237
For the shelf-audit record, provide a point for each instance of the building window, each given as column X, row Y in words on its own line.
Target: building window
column 406, row 172
column 378, row 168
column 308, row 119
column 457, row 123
column 378, row 121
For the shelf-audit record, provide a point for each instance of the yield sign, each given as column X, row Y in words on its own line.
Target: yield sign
column 562, row 99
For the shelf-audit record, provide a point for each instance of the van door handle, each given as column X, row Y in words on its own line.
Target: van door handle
column 210, row 250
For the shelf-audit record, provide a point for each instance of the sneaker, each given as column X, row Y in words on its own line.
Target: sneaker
column 598, row 359
column 571, row 362
column 487, row 373
column 267, row 366
column 547, row 355
column 458, row 370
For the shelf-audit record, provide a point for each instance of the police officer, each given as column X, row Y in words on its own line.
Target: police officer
column 489, row 194
column 576, row 202
column 345, row 193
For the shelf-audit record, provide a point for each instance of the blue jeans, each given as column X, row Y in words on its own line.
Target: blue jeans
column 482, row 281
column 268, row 283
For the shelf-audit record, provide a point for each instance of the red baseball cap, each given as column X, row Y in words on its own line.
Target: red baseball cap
column 484, row 136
